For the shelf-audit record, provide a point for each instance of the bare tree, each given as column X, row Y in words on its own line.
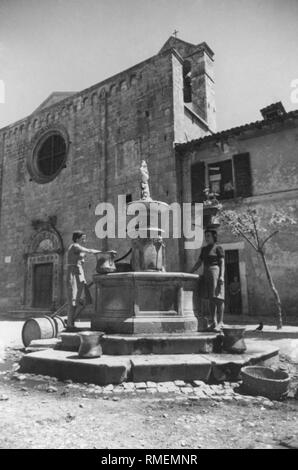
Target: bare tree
column 249, row 224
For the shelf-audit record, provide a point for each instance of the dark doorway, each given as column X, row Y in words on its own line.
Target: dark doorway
column 233, row 302
column 43, row 285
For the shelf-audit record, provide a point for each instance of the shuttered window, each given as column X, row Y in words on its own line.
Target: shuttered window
column 198, row 182
column 221, row 179
column 228, row 178
column 242, row 172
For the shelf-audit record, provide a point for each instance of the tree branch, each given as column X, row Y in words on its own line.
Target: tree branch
column 268, row 238
column 248, row 240
column 256, row 232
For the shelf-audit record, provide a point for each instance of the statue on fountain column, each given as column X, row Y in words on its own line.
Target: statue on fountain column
column 148, row 249
column 145, row 191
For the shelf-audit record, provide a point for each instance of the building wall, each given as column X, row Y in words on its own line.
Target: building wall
column 111, row 128
column 274, row 169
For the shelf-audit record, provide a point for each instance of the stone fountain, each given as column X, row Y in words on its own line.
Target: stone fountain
column 145, row 322
column 148, row 299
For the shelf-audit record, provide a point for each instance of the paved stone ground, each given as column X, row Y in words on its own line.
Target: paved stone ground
column 10, row 336
column 42, row 412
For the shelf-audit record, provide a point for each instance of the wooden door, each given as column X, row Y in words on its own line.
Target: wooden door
column 43, row 285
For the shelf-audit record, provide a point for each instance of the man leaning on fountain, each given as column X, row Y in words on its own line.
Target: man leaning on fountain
column 75, row 279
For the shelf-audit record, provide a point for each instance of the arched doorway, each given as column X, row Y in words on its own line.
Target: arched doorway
column 44, row 272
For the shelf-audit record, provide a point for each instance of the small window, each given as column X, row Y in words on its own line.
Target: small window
column 220, row 177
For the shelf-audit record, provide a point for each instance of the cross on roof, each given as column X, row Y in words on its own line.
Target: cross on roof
column 175, row 32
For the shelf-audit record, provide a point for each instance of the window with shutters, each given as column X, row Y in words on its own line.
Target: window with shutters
column 228, row 178
column 221, row 179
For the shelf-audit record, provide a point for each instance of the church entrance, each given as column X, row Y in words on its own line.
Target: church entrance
column 43, row 285
column 44, row 269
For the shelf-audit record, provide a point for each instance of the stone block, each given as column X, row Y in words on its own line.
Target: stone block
column 70, row 341
column 170, row 367
column 64, row 365
column 39, row 344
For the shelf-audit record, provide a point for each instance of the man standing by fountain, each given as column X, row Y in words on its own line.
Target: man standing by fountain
column 75, row 279
column 212, row 257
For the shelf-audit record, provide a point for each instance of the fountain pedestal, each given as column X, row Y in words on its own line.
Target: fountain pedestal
column 146, row 302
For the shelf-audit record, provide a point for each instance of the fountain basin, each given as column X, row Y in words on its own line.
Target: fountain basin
column 257, row 380
column 145, row 302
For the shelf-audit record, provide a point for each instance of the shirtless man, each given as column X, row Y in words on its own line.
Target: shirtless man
column 75, row 274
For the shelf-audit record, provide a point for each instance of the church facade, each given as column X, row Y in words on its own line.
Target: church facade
column 79, row 149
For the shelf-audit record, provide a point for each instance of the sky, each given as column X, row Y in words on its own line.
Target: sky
column 69, row 45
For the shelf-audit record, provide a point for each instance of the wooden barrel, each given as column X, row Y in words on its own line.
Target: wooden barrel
column 38, row 328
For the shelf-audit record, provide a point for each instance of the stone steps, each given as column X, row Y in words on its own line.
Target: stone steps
column 149, row 367
column 119, row 345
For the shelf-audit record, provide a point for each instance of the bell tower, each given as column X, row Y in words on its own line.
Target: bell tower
column 198, row 79
column 202, row 84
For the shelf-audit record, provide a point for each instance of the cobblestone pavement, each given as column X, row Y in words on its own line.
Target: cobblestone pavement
column 42, row 412
column 223, row 392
